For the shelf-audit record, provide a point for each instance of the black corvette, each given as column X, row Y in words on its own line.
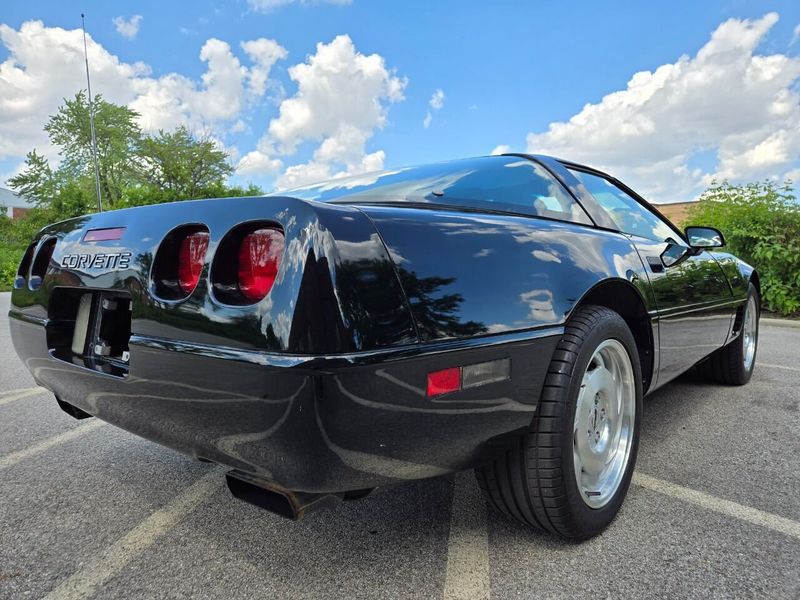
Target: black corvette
column 504, row 313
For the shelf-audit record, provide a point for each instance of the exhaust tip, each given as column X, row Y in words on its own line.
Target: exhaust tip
column 72, row 411
column 275, row 498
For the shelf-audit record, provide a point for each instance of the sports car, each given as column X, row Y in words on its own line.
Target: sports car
column 504, row 314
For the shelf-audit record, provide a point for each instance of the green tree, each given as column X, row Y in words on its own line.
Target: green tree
column 117, row 137
column 761, row 224
column 181, row 166
column 37, row 183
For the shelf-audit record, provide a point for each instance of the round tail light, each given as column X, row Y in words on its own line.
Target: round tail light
column 41, row 263
column 178, row 262
column 260, row 254
column 191, row 255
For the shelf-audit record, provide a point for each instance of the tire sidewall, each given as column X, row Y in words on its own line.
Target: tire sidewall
column 592, row 520
column 748, row 373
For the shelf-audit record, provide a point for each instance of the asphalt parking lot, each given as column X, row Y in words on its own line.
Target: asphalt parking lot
column 91, row 511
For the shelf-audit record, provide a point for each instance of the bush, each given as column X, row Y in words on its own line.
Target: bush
column 9, row 260
column 15, row 237
column 761, row 225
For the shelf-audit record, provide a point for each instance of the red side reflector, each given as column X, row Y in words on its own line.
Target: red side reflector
column 191, row 256
column 444, row 381
column 259, row 260
column 103, row 235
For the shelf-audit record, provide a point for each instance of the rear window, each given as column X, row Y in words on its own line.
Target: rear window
column 502, row 183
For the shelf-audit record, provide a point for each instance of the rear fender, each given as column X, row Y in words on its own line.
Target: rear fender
column 468, row 274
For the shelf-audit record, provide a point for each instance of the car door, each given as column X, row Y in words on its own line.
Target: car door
column 694, row 301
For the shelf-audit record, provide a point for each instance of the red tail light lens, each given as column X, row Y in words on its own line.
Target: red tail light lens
column 444, row 381
column 260, row 254
column 191, row 256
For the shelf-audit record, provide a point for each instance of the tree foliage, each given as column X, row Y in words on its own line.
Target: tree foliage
column 180, row 165
column 761, row 224
column 134, row 169
column 117, row 135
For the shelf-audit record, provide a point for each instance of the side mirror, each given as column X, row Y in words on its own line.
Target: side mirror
column 704, row 237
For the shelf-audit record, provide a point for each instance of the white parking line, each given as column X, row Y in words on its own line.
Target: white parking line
column 777, row 367
column 720, row 505
column 467, row 575
column 113, row 559
column 11, row 459
column 20, row 394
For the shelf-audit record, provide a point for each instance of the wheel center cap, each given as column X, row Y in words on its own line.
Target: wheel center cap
column 598, row 424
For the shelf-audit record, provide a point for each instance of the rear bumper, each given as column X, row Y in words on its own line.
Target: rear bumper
column 310, row 423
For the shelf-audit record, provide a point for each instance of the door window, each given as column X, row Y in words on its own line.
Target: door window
column 630, row 216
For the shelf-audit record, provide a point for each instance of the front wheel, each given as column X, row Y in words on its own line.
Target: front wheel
column 734, row 363
column 570, row 471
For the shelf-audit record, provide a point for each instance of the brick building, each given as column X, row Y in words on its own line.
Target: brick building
column 675, row 212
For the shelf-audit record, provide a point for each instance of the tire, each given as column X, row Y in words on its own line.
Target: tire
column 733, row 364
column 532, row 476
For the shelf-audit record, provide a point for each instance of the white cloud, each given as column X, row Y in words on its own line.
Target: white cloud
column 257, row 163
column 174, row 99
column 342, row 98
column 336, row 86
column 437, row 100
column 45, row 65
column 501, row 149
column 727, row 100
column 795, row 34
column 264, row 53
column 265, row 6
column 436, row 103
column 127, row 28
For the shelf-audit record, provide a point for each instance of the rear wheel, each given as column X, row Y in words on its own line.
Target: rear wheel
column 570, row 471
column 734, row 363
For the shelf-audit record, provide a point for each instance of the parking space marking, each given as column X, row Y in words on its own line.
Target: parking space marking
column 467, row 574
column 778, row 367
column 20, row 394
column 113, row 559
column 777, row 523
column 11, row 459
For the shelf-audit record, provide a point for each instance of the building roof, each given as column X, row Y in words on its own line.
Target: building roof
column 9, row 198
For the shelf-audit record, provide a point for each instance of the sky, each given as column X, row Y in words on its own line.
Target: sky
column 667, row 96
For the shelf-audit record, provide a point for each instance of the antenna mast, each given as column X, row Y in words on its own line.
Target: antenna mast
column 91, row 120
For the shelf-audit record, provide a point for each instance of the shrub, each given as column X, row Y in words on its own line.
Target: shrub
column 761, row 224
column 15, row 237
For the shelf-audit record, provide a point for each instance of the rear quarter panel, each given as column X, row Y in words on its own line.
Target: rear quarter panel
column 468, row 274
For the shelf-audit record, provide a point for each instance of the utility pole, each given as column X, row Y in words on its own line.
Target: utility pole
column 91, row 120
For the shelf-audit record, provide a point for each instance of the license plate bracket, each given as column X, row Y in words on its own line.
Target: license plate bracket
column 91, row 328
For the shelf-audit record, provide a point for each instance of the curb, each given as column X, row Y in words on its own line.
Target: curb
column 780, row 322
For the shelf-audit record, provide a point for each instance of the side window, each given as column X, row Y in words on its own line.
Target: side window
column 515, row 184
column 503, row 183
column 628, row 214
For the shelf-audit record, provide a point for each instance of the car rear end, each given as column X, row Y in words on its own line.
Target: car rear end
column 271, row 335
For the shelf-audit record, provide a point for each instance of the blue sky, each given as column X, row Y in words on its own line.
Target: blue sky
column 509, row 73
